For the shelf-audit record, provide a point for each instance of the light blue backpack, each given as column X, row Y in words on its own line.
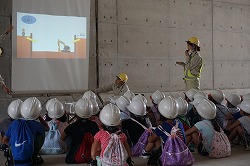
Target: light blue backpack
column 53, row 143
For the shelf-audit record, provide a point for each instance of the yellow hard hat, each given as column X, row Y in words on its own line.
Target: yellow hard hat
column 194, row 40
column 123, row 77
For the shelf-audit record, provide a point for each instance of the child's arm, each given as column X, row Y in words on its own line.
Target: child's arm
column 235, row 124
column 63, row 136
column 6, row 140
column 229, row 116
column 94, row 149
column 153, row 138
column 126, row 145
column 191, row 131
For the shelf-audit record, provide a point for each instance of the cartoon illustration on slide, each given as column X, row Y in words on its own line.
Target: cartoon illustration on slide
column 50, row 36
column 65, row 47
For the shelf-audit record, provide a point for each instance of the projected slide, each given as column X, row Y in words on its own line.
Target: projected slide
column 51, row 36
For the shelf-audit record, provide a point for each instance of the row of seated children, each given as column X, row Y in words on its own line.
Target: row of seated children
column 233, row 118
column 136, row 116
column 26, row 132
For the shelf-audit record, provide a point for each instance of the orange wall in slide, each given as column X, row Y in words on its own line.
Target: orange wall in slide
column 23, row 47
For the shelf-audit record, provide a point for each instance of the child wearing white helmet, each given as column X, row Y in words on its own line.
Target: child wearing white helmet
column 30, row 111
column 193, row 115
column 182, row 107
column 53, row 143
column 217, row 97
column 14, row 112
column 233, row 111
column 138, row 121
column 96, row 112
column 110, row 118
column 189, row 97
column 168, row 111
column 205, row 127
column 153, row 112
column 122, row 102
column 78, row 129
column 241, row 127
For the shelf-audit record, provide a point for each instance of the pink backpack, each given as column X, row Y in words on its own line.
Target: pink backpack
column 115, row 153
column 220, row 145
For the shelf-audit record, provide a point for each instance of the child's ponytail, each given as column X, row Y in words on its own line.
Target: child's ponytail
column 215, row 125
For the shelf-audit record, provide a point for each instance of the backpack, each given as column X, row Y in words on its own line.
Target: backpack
column 22, row 141
column 220, row 145
column 83, row 154
column 115, row 153
column 53, row 143
column 136, row 150
column 175, row 151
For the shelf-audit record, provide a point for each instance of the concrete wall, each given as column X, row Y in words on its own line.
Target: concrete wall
column 144, row 38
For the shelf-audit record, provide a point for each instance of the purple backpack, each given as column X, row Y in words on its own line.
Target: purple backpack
column 136, row 150
column 175, row 151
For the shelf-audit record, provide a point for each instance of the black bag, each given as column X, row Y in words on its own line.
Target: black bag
column 154, row 158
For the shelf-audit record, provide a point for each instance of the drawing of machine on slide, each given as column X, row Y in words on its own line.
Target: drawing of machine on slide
column 25, row 45
column 66, row 48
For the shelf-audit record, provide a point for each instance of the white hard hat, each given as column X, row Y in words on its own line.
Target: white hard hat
column 246, row 96
column 129, row 94
column 181, row 106
column 190, row 94
column 197, row 100
column 167, row 108
column 234, row 99
column 110, row 115
column 206, row 109
column 14, row 109
column 56, row 109
column 140, row 97
column 245, row 106
column 89, row 95
column 122, row 102
column 96, row 109
column 157, row 96
column 84, row 108
column 199, row 94
column 49, row 102
column 137, row 107
column 217, row 95
column 31, row 108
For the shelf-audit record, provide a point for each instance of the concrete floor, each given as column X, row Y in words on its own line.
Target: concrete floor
column 239, row 157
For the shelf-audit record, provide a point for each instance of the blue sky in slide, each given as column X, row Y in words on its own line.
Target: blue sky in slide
column 47, row 29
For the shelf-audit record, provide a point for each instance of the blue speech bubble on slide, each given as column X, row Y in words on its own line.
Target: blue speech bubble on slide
column 28, row 19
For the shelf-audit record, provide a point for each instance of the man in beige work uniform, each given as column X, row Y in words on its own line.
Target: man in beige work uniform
column 118, row 88
column 193, row 65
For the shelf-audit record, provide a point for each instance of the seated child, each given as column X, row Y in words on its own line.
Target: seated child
column 182, row 106
column 241, row 127
column 233, row 111
column 202, row 132
column 153, row 112
column 30, row 111
column 217, row 97
column 110, row 117
column 168, row 113
column 135, row 126
column 53, row 143
column 78, row 129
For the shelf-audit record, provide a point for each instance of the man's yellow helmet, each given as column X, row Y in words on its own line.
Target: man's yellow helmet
column 123, row 77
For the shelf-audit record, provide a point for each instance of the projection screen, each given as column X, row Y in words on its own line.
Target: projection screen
column 50, row 46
